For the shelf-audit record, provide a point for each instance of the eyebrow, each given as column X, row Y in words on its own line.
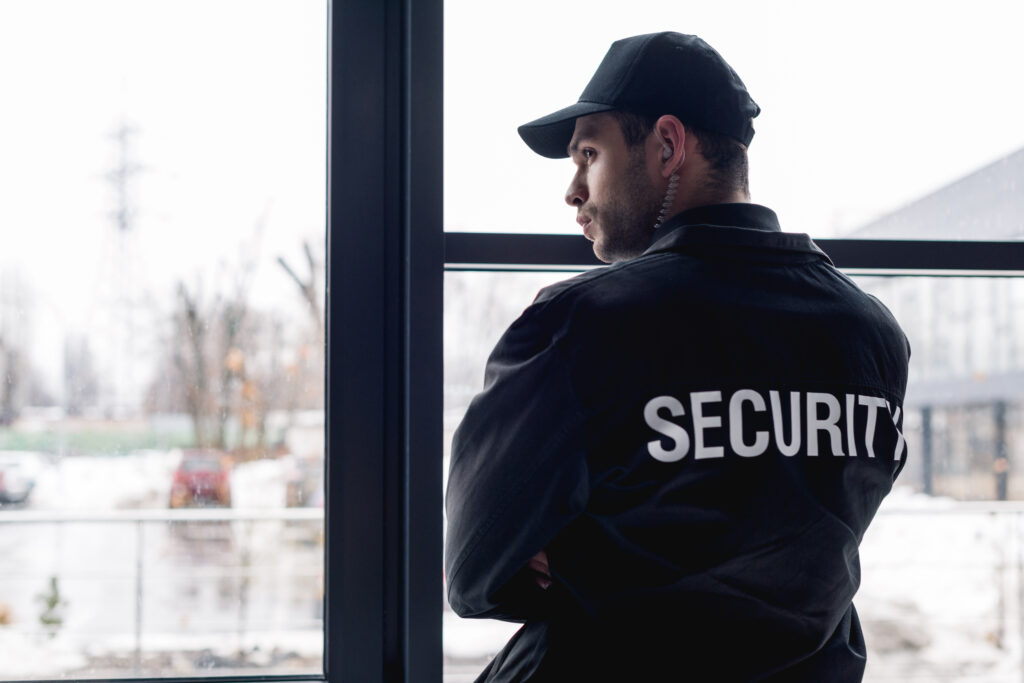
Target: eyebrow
column 586, row 135
column 574, row 146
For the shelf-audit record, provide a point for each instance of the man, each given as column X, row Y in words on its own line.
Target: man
column 674, row 458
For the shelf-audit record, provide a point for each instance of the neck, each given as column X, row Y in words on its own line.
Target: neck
column 717, row 198
column 698, row 189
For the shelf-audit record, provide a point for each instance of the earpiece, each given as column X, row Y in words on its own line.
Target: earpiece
column 666, row 149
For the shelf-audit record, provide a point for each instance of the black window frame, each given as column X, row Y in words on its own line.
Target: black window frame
column 504, row 251
column 383, row 576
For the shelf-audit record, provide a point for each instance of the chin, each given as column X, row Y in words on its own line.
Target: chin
column 606, row 258
column 601, row 254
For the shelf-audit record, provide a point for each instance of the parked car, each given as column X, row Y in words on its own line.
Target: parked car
column 202, row 479
column 16, row 478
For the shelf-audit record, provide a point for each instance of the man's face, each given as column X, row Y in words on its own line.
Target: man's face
column 616, row 201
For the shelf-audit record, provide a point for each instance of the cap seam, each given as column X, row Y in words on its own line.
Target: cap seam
column 627, row 86
column 632, row 67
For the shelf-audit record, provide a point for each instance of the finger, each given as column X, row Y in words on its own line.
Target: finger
column 539, row 566
column 541, row 559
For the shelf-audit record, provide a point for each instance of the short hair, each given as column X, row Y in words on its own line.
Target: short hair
column 726, row 157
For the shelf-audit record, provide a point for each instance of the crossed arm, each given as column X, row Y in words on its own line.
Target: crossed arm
column 519, row 473
column 542, row 572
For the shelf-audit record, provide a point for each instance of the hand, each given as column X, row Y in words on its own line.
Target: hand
column 542, row 572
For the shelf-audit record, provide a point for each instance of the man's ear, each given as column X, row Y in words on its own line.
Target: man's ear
column 671, row 136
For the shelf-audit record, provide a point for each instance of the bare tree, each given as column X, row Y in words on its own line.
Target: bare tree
column 306, row 373
column 310, row 286
column 81, row 382
column 228, row 365
column 12, row 371
column 189, row 357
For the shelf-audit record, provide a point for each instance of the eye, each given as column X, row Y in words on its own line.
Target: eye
column 588, row 154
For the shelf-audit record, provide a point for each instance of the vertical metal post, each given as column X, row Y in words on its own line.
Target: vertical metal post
column 927, row 452
column 1005, row 571
column 245, row 571
column 360, row 202
column 1001, row 466
column 1019, row 547
column 139, row 564
column 385, row 279
column 423, row 294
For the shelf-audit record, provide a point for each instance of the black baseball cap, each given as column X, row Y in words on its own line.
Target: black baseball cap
column 656, row 74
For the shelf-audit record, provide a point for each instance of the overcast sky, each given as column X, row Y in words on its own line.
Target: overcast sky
column 866, row 106
column 228, row 109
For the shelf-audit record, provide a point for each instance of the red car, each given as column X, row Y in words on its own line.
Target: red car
column 203, row 479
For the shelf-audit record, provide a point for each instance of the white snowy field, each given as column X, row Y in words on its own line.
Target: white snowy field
column 941, row 600
column 941, row 597
column 942, row 591
column 141, row 591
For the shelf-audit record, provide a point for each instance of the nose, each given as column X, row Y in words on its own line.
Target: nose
column 576, row 195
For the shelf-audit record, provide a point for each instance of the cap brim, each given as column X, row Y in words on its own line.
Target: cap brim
column 549, row 136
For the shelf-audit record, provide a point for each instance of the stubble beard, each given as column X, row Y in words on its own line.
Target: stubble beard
column 627, row 219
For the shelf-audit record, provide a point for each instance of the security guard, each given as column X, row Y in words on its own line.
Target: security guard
column 674, row 458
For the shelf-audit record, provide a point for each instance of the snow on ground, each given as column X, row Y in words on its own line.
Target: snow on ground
column 143, row 480
column 942, row 590
column 24, row 652
column 941, row 597
column 259, row 484
column 154, row 597
column 940, row 601
column 96, row 482
column 475, row 639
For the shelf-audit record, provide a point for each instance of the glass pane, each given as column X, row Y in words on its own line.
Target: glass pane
column 942, row 560
column 161, row 338
column 891, row 120
column 478, row 307
column 940, row 592
column 966, row 393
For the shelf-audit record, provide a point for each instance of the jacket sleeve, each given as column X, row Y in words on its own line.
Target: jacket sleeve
column 518, row 472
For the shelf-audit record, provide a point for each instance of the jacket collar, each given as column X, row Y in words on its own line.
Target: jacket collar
column 731, row 225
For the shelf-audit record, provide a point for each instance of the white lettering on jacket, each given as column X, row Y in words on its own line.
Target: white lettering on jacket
column 676, row 434
column 824, row 423
column 793, row 446
column 829, row 424
column 760, row 444
column 702, row 422
column 873, row 403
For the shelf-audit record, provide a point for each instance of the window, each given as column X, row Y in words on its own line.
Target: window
column 852, row 101
column 845, row 152
column 162, row 338
column 383, row 416
column 381, row 541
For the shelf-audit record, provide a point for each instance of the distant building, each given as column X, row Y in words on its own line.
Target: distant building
column 965, row 402
column 985, row 205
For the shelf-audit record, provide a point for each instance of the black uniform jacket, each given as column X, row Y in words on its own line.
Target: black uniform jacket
column 698, row 438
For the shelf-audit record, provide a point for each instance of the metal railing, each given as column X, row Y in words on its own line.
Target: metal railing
column 942, row 592
column 942, row 597
column 210, row 551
